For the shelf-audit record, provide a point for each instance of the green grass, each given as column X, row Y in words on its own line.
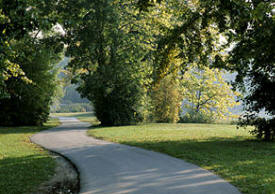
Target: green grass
column 82, row 116
column 23, row 165
column 233, row 154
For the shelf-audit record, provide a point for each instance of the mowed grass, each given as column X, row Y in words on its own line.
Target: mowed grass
column 233, row 154
column 82, row 116
column 23, row 165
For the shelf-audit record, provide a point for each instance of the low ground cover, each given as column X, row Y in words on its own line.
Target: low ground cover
column 23, row 165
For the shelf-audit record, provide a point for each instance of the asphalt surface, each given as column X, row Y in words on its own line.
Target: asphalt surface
column 113, row 168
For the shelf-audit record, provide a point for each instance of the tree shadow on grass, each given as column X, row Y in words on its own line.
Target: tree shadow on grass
column 24, row 174
column 248, row 164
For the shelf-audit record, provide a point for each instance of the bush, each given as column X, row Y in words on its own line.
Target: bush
column 166, row 100
column 195, row 117
column 264, row 127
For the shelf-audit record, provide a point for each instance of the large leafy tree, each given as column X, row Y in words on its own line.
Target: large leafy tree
column 253, row 57
column 28, row 103
column 250, row 26
column 107, row 53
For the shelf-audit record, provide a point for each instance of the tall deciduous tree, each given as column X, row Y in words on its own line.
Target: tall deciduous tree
column 107, row 51
column 29, row 103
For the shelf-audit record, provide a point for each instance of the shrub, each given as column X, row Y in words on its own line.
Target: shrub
column 166, row 100
column 195, row 117
column 264, row 127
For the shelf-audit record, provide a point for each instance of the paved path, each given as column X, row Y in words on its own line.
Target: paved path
column 113, row 168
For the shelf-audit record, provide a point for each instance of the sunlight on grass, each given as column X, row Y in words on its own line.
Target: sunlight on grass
column 233, row 154
column 23, row 165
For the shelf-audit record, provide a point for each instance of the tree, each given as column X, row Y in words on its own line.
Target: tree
column 107, row 60
column 29, row 103
column 166, row 100
column 253, row 57
column 28, row 47
column 206, row 93
column 17, row 20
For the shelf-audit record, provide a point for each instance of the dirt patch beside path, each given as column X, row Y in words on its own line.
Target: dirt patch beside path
column 64, row 181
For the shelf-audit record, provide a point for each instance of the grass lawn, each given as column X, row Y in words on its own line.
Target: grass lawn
column 233, row 154
column 23, row 166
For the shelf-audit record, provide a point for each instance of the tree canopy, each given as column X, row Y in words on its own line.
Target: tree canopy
column 107, row 51
column 121, row 51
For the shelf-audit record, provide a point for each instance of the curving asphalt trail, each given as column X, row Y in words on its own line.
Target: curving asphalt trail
column 113, row 168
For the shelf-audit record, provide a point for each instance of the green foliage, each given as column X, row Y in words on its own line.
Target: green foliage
column 196, row 117
column 244, row 28
column 194, row 38
column 17, row 20
column 264, row 127
column 118, row 101
column 108, row 66
column 166, row 100
column 183, row 39
column 117, row 47
column 28, row 47
column 207, row 97
column 254, row 60
column 29, row 103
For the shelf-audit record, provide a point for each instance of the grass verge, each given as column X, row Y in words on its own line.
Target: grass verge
column 23, row 165
column 233, row 154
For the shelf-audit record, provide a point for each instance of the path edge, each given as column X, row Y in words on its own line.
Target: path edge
column 61, row 155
